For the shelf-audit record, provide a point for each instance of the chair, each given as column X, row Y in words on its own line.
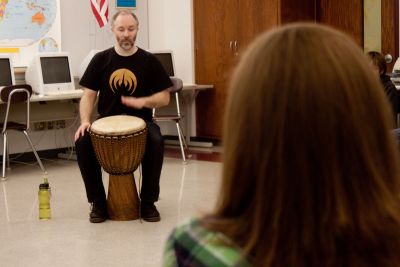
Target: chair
column 177, row 86
column 10, row 95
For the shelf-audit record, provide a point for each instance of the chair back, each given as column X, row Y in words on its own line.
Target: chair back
column 14, row 94
column 177, row 85
column 11, row 92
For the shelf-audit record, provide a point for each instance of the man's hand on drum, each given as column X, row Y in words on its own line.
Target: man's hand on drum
column 82, row 129
column 133, row 102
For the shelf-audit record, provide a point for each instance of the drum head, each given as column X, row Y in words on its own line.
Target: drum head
column 117, row 125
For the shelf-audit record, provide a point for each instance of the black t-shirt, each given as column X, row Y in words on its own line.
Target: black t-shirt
column 140, row 74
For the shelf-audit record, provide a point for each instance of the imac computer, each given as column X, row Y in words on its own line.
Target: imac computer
column 50, row 73
column 6, row 70
column 166, row 58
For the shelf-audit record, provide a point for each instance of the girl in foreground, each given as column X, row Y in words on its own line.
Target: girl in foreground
column 310, row 167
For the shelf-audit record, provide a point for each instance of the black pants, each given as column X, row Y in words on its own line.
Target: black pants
column 151, row 166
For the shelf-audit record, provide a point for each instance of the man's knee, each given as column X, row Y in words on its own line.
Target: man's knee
column 83, row 143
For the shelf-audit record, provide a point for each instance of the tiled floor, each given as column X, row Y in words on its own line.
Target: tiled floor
column 68, row 239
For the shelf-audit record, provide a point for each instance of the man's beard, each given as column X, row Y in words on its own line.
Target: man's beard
column 126, row 43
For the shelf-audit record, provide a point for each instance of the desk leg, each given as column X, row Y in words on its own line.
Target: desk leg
column 189, row 98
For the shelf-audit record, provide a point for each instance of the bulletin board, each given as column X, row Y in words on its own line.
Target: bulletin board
column 130, row 4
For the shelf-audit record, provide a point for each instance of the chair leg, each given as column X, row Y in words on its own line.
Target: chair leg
column 34, row 151
column 3, row 176
column 183, row 136
column 8, row 161
column 180, row 136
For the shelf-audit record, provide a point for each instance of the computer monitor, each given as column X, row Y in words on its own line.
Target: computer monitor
column 167, row 60
column 6, row 70
column 50, row 72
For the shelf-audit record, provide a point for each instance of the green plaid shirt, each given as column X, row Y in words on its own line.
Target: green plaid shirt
column 192, row 245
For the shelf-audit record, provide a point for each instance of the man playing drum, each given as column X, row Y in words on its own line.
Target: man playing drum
column 131, row 81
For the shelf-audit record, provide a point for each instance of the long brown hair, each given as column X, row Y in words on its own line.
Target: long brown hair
column 311, row 171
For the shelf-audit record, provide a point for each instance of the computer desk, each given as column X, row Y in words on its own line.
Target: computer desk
column 77, row 94
column 189, row 94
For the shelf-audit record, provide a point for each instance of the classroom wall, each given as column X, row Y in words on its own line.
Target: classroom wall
column 170, row 26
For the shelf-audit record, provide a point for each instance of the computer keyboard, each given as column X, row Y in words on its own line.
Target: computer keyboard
column 65, row 92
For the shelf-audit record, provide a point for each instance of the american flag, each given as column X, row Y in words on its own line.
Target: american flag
column 100, row 11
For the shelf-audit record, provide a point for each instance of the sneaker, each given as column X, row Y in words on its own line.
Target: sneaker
column 149, row 212
column 98, row 212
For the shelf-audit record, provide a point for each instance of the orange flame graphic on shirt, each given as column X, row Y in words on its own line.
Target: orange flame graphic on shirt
column 123, row 80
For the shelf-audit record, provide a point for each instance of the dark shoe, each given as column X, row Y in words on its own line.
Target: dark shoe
column 149, row 212
column 98, row 212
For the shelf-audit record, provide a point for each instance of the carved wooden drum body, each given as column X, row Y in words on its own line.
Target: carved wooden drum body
column 119, row 143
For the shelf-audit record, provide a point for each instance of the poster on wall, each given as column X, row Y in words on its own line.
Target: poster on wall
column 131, row 4
column 28, row 27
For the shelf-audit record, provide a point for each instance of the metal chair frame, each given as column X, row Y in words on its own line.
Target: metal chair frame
column 176, row 117
column 15, row 94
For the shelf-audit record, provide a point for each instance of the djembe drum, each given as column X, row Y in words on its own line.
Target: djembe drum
column 119, row 143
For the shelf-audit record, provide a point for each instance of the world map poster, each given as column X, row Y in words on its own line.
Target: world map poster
column 28, row 27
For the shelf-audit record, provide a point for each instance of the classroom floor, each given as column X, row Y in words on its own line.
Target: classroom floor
column 69, row 239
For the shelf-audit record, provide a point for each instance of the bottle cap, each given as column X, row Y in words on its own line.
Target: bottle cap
column 44, row 186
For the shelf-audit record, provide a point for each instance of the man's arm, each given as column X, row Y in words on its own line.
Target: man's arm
column 154, row 101
column 86, row 106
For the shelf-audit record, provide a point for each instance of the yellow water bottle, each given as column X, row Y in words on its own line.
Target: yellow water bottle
column 44, row 200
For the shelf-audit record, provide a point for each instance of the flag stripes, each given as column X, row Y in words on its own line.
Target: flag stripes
column 100, row 11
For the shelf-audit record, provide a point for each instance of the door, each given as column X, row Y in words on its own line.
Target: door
column 344, row 15
column 215, row 27
column 390, row 30
column 255, row 17
column 223, row 29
